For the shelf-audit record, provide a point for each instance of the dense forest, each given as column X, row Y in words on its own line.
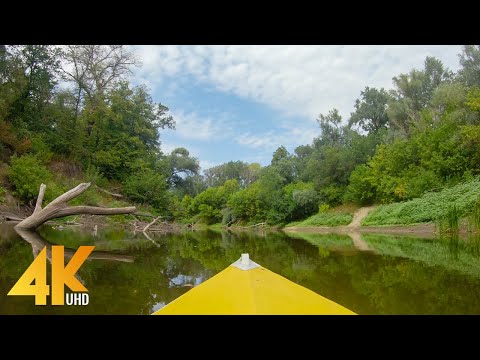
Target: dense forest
column 69, row 114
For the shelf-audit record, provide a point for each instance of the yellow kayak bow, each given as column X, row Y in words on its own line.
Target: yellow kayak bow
column 246, row 288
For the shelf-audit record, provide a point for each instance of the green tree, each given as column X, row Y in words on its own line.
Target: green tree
column 181, row 169
column 412, row 93
column 470, row 62
column 208, row 205
column 243, row 172
column 147, row 187
column 122, row 135
column 330, row 126
column 370, row 112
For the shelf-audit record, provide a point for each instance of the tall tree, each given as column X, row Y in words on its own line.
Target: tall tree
column 124, row 131
column 94, row 69
column 241, row 171
column 470, row 62
column 39, row 64
column 331, row 128
column 412, row 93
column 371, row 111
column 181, row 166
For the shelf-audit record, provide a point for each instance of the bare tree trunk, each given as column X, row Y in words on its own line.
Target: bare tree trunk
column 59, row 208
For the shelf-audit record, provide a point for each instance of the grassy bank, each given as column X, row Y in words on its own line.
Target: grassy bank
column 430, row 207
column 341, row 215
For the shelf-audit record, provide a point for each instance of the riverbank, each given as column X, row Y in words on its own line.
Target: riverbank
column 424, row 230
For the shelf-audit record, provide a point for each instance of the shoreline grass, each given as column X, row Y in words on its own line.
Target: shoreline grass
column 324, row 219
column 431, row 207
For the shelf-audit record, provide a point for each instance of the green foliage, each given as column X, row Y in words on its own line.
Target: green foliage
column 41, row 149
column 370, row 113
column 474, row 219
column 449, row 222
column 246, row 205
column 362, row 187
column 302, row 200
column 147, row 187
column 323, row 208
column 3, row 191
column 208, row 204
column 470, row 62
column 473, row 99
column 243, row 172
column 432, row 206
column 412, row 93
column 94, row 176
column 325, row 219
column 228, row 216
column 26, row 173
column 405, row 169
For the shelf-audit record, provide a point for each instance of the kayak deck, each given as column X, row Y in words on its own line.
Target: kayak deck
column 254, row 290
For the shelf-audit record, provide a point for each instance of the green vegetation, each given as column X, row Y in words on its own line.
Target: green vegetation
column 325, row 219
column 432, row 206
column 2, row 194
column 417, row 143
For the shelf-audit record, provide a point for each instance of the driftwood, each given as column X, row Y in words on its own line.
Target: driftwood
column 12, row 217
column 259, row 224
column 59, row 208
column 150, row 224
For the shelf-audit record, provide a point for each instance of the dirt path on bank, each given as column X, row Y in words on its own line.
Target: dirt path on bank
column 423, row 230
column 359, row 215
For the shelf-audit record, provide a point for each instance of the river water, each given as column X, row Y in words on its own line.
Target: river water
column 369, row 274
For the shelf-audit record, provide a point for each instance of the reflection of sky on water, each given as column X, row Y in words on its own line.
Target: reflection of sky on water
column 186, row 280
column 158, row 306
column 180, row 281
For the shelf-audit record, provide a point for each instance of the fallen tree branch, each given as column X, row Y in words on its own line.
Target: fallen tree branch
column 59, row 208
column 153, row 222
column 11, row 217
column 41, row 193
column 120, row 196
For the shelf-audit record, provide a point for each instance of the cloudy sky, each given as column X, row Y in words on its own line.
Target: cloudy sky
column 243, row 102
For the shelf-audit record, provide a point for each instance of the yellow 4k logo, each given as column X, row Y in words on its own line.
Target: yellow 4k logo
column 61, row 275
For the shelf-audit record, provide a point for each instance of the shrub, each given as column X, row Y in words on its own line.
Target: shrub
column 147, row 187
column 27, row 173
column 326, row 219
column 41, row 149
column 2, row 194
column 431, row 206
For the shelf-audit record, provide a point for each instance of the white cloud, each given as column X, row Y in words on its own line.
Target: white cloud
column 206, row 164
column 190, row 125
column 297, row 80
column 288, row 134
column 167, row 148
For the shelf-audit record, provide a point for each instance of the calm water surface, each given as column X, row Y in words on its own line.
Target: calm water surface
column 369, row 274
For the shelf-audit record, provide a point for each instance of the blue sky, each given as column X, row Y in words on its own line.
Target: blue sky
column 240, row 102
